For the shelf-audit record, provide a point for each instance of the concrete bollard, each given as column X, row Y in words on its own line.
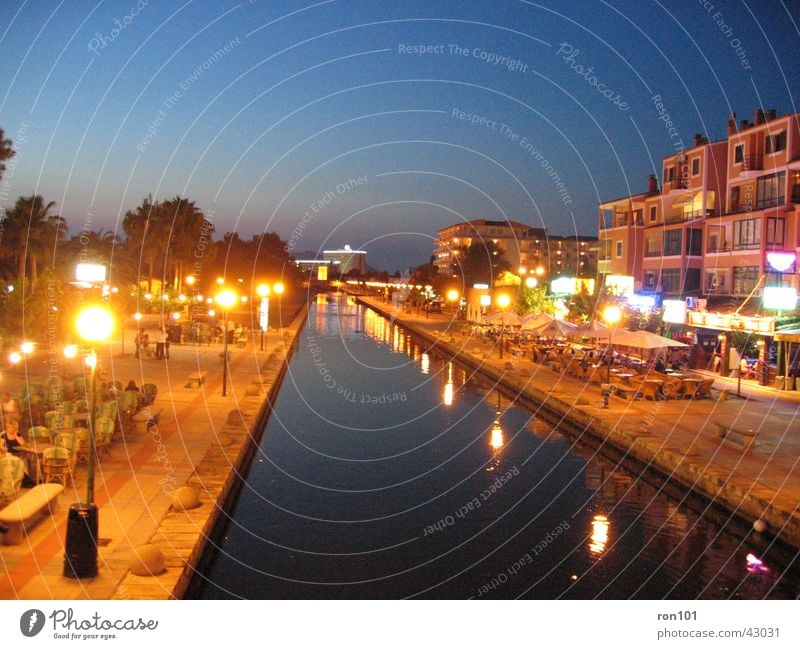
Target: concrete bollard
column 147, row 561
column 185, row 498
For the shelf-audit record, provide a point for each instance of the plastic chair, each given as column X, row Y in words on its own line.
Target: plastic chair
column 68, row 407
column 57, row 465
column 12, row 470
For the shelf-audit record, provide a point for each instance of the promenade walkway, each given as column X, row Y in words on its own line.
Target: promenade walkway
column 199, row 439
column 676, row 437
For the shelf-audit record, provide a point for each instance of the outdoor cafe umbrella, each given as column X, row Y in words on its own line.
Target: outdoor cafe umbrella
column 643, row 340
column 535, row 320
column 557, row 328
column 595, row 329
column 504, row 318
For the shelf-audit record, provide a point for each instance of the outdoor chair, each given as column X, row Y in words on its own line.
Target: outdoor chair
column 42, row 433
column 103, row 431
column 69, row 442
column 704, row 389
column 56, row 465
column 149, row 392
column 12, row 470
column 671, row 388
column 68, row 407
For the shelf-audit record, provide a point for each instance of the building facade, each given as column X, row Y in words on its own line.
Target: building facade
column 527, row 249
column 724, row 210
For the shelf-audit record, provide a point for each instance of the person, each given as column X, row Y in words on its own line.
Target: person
column 744, row 368
column 131, row 387
column 12, row 437
column 10, row 407
column 660, row 366
column 138, row 342
column 160, row 340
column 166, row 343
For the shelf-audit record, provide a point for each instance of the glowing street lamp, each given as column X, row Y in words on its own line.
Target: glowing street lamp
column 263, row 310
column 503, row 301
column 226, row 299
column 453, row 296
column 94, row 325
column 26, row 348
column 14, row 358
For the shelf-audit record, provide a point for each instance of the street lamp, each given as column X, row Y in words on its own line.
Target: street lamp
column 94, row 325
column 453, row 296
column 503, row 301
column 263, row 311
column 226, row 299
column 612, row 315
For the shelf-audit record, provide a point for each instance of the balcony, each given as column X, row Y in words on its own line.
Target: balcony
column 796, row 194
column 652, row 253
column 752, row 162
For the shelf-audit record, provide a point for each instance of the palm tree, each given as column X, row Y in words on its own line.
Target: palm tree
column 32, row 235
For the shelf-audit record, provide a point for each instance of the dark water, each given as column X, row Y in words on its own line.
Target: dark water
column 388, row 472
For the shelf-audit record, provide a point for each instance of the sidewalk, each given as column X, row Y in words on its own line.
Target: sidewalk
column 676, row 437
column 199, row 439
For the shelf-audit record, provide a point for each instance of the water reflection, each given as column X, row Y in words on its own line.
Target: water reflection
column 599, row 536
column 365, row 495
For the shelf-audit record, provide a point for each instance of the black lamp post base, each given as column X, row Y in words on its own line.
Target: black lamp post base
column 80, row 556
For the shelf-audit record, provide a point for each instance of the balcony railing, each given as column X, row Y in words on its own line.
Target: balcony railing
column 752, row 162
column 652, row 253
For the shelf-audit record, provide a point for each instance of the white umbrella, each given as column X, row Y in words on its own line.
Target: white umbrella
column 643, row 340
column 557, row 328
column 535, row 320
column 504, row 318
column 595, row 329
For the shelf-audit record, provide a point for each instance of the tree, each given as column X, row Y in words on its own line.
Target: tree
column 534, row 300
column 481, row 262
column 6, row 152
column 32, row 235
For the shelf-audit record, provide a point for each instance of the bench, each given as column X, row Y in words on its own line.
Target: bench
column 26, row 511
column 197, row 378
column 748, row 435
column 141, row 420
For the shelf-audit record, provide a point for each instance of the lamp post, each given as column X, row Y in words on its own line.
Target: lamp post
column 226, row 299
column 454, row 297
column 612, row 315
column 263, row 312
column 94, row 324
column 503, row 301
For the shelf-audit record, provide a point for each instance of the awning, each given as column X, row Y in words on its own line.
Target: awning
column 787, row 336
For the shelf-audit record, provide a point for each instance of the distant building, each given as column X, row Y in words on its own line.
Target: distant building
column 525, row 248
column 345, row 260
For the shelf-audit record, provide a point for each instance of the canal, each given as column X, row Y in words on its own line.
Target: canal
column 386, row 471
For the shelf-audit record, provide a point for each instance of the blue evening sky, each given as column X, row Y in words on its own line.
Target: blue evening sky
column 310, row 95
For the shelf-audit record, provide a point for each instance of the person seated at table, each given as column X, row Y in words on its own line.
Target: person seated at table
column 11, row 436
column 10, row 407
column 660, row 366
column 131, row 387
column 744, row 368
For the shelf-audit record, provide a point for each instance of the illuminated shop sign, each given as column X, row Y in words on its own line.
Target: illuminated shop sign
column 619, row 284
column 674, row 311
column 731, row 322
column 780, row 298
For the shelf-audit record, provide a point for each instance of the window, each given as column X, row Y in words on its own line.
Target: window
column 734, row 199
column 618, row 251
column 654, row 211
column 775, row 143
column 637, row 217
column 653, row 246
column 671, row 279
column 738, row 154
column 747, row 234
column 744, row 279
column 796, row 187
column 695, row 166
column 670, row 173
column 672, row 242
column 692, row 281
column 650, row 279
column 770, row 190
column 775, row 229
column 694, row 242
column 715, row 282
